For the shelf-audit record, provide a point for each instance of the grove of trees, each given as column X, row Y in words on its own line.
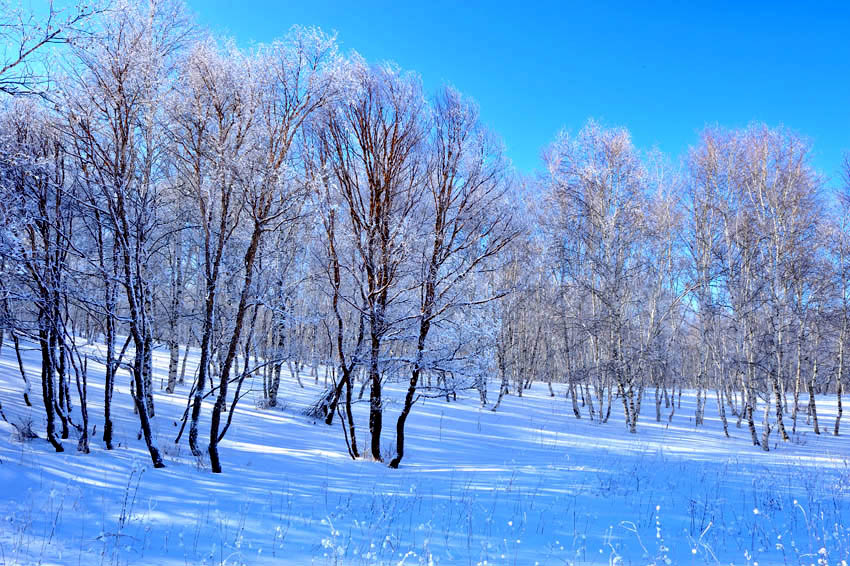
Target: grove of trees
column 292, row 207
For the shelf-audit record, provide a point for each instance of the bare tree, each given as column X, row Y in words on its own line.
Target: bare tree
column 37, row 235
column 597, row 191
column 468, row 225
column 213, row 119
column 26, row 37
column 114, row 106
column 300, row 80
column 839, row 246
column 373, row 144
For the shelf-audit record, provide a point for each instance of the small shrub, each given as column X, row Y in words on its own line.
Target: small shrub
column 263, row 405
column 319, row 409
column 23, row 430
column 388, row 452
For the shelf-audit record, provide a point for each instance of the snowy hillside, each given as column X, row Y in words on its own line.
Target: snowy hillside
column 267, row 300
column 528, row 484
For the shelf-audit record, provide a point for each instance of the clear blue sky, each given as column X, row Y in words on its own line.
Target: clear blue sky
column 663, row 70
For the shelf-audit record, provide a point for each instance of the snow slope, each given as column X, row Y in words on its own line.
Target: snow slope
column 529, row 484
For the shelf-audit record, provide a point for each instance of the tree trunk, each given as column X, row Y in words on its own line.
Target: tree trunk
column 221, row 400
column 721, row 409
column 779, row 422
column 27, row 388
column 174, row 315
column 574, row 399
column 203, row 366
column 765, row 439
column 838, row 392
column 82, row 391
column 813, row 410
column 376, row 416
column 503, row 375
column 47, row 380
column 140, row 399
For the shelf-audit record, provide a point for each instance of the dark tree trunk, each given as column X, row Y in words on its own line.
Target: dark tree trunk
column 376, row 414
column 27, row 388
column 47, row 381
column 410, row 397
column 109, row 381
column 174, row 315
column 779, row 422
column 139, row 398
column 82, row 391
column 838, row 392
column 203, row 367
column 232, row 349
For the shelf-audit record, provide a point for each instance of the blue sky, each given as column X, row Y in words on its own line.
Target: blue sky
column 664, row 70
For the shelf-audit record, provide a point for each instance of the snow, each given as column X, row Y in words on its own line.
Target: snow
column 528, row 484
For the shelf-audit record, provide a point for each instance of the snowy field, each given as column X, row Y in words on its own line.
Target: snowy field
column 528, row 484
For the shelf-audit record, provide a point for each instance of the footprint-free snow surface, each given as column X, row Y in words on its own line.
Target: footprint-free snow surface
column 527, row 484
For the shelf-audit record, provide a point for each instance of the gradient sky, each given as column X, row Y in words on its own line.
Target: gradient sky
column 664, row 70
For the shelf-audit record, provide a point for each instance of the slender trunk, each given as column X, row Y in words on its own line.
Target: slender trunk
column 765, row 439
column 574, row 399
column 203, row 367
column 140, row 400
column 138, row 301
column 27, row 388
column 742, row 412
column 58, row 367
column 181, row 380
column 839, row 380
column 672, row 405
column 221, row 400
column 109, row 380
column 813, row 410
column 147, row 374
column 481, row 386
column 730, row 400
column 591, row 411
column 173, row 362
column 336, row 396
column 779, row 422
column 174, row 315
column 621, row 392
column 749, row 409
column 47, row 381
column 503, row 375
column 274, row 385
column 698, row 411
column 81, row 374
column 376, row 415
column 838, row 393
column 797, row 381
column 64, row 389
column 410, row 396
column 110, row 365
column 721, row 409
column 658, row 399
column 637, row 404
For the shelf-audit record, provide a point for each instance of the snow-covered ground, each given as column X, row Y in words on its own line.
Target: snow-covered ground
column 529, row 484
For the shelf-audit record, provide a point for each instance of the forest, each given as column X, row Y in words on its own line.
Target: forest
column 291, row 206
column 218, row 230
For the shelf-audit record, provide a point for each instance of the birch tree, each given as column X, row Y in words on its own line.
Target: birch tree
column 467, row 225
column 373, row 143
column 113, row 110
